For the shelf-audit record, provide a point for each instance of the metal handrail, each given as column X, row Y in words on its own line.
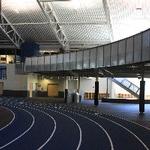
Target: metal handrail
column 128, row 84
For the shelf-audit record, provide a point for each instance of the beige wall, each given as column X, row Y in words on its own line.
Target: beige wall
column 44, row 82
column 14, row 81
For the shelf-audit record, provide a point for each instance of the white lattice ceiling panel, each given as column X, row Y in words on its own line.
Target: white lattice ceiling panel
column 35, row 32
column 87, row 32
column 20, row 11
column 129, row 17
column 79, row 11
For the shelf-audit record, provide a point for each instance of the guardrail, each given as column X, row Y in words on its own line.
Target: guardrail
column 131, row 50
column 127, row 85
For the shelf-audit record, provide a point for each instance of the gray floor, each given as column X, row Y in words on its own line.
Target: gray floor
column 127, row 111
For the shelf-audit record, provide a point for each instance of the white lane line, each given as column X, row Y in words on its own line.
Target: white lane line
column 80, row 130
column 52, row 132
column 127, row 121
column 55, row 126
column 127, row 131
column 10, row 121
column 110, row 140
column 33, row 121
column 147, row 128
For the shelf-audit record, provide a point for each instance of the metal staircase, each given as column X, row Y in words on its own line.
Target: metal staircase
column 127, row 85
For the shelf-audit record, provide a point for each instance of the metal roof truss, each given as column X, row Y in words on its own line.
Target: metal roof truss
column 10, row 32
column 49, row 13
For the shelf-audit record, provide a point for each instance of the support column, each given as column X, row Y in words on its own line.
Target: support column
column 107, row 94
column 30, row 89
column 15, row 56
column 78, row 90
column 66, row 90
column 142, row 96
column 0, row 10
column 96, row 92
column 78, row 84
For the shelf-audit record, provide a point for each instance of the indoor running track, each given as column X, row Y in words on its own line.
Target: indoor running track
column 68, row 127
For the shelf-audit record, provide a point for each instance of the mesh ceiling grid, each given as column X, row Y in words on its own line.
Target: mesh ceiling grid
column 126, row 20
column 94, row 27
column 35, row 32
column 29, row 12
column 64, row 13
column 3, row 36
column 129, row 17
column 87, row 32
column 5, row 41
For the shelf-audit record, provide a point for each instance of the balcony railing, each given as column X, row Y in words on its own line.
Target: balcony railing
column 131, row 50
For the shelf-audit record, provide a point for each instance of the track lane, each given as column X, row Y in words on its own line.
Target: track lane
column 23, row 123
column 90, row 127
column 45, row 145
column 141, row 132
column 38, row 135
column 66, row 133
column 2, row 128
column 124, row 136
column 123, row 141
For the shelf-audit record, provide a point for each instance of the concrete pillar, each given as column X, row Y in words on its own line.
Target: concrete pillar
column 142, row 96
column 107, row 94
column 78, row 84
column 78, row 90
column 30, row 89
column 66, row 90
column 96, row 92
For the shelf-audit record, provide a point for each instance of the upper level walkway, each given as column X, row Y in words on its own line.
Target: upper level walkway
column 127, row 52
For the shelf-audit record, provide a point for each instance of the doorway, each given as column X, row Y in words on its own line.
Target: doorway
column 52, row 89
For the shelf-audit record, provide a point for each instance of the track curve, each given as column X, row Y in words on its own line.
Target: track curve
column 71, row 127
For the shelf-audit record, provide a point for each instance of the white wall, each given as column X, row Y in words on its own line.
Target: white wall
column 14, row 81
column 88, row 85
column 32, row 80
column 72, row 85
column 44, row 83
column 22, row 82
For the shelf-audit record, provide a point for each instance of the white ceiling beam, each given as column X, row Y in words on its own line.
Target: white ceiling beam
column 53, row 0
column 51, row 16
column 7, row 46
column 60, row 23
column 10, row 31
column 107, row 14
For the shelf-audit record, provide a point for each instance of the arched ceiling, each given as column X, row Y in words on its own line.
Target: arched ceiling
column 73, row 24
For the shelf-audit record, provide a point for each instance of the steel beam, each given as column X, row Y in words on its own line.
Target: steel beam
column 10, row 31
column 60, row 23
column 107, row 14
column 53, row 0
column 57, row 30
